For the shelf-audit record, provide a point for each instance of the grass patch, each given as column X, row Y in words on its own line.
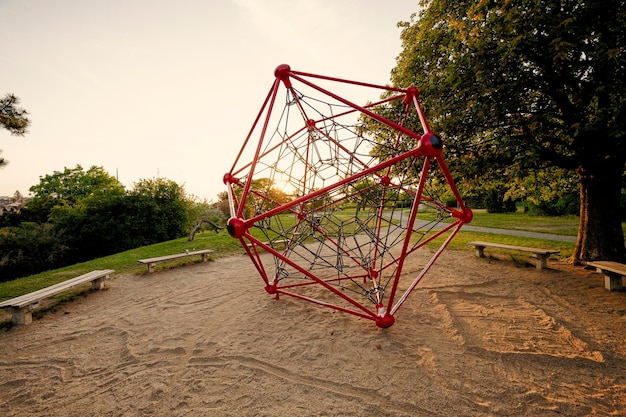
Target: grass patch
column 125, row 262
column 565, row 225
column 463, row 238
column 223, row 245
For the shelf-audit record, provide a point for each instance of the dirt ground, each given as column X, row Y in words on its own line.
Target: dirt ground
column 478, row 337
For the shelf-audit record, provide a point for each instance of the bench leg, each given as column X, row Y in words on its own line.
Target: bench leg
column 98, row 284
column 205, row 257
column 613, row 282
column 480, row 251
column 151, row 266
column 542, row 261
column 23, row 315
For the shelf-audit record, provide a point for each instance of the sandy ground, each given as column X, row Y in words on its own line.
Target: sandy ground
column 478, row 337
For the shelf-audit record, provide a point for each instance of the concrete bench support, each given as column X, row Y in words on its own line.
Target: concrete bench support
column 613, row 273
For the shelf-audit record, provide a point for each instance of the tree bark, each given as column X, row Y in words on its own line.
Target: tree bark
column 199, row 223
column 600, row 235
column 194, row 230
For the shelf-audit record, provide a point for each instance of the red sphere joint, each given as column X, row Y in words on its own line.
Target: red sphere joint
column 411, row 94
column 282, row 73
column 229, row 179
column 466, row 216
column 431, row 144
column 385, row 321
column 236, row 227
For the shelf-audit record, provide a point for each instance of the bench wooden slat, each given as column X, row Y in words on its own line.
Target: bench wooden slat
column 542, row 255
column 151, row 262
column 23, row 305
column 613, row 273
column 610, row 266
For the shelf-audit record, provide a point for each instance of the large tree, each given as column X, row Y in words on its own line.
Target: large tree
column 518, row 86
column 12, row 118
column 162, row 207
column 74, row 184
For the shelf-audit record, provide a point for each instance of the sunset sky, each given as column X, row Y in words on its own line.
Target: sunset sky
column 170, row 88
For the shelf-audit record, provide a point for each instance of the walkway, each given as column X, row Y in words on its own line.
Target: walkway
column 469, row 228
column 521, row 233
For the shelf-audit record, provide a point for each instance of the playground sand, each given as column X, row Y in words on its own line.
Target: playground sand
column 478, row 337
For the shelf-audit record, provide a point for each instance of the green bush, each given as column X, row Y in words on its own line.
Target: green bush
column 29, row 249
column 52, row 231
column 566, row 204
column 495, row 202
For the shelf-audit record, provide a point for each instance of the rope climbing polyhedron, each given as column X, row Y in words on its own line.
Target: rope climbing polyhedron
column 329, row 197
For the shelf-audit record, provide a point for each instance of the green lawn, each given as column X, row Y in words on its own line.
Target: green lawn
column 223, row 245
column 566, row 225
column 463, row 238
column 125, row 262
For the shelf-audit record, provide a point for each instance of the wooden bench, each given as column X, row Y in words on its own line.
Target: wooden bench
column 613, row 273
column 24, row 305
column 541, row 255
column 151, row 262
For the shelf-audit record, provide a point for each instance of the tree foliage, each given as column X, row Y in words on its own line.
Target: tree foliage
column 73, row 184
column 12, row 117
column 205, row 216
column 163, row 207
column 28, row 249
column 265, row 196
column 77, row 215
column 552, row 191
column 517, row 87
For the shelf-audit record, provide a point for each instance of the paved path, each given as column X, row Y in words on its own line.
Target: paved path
column 509, row 232
column 521, row 233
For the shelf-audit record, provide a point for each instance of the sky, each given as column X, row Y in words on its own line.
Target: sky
column 152, row 88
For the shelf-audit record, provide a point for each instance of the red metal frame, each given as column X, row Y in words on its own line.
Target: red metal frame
column 296, row 260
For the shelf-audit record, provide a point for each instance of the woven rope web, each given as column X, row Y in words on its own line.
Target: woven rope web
column 329, row 198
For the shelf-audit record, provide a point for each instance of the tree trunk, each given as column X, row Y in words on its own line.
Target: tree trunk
column 195, row 229
column 600, row 235
column 199, row 223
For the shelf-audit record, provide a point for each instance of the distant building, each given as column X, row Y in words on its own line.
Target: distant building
column 11, row 204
